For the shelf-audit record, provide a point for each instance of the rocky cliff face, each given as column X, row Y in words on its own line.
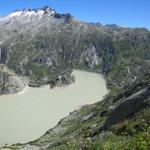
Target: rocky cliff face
column 10, row 83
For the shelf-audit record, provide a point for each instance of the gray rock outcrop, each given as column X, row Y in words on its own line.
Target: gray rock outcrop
column 129, row 106
column 62, row 80
column 10, row 83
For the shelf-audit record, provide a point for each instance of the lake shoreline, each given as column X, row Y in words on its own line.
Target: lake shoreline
column 33, row 111
column 17, row 93
column 47, row 85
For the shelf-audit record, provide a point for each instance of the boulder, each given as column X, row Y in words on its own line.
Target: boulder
column 129, row 106
column 86, row 118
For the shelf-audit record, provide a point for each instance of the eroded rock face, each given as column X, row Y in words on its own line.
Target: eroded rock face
column 50, row 60
column 90, row 57
column 10, row 83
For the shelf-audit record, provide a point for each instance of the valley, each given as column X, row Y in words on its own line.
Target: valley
column 45, row 47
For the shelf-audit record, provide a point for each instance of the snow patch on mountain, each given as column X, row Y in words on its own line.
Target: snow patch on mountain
column 29, row 13
column 15, row 14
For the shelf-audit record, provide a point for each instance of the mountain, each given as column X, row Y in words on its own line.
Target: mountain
column 45, row 39
column 40, row 44
column 20, row 21
column 28, row 25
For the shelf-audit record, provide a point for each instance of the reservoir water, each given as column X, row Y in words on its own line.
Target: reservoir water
column 28, row 116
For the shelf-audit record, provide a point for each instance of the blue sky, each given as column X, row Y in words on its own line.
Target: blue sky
column 130, row 13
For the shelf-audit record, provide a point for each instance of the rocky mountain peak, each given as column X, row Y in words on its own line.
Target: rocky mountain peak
column 32, row 12
column 45, row 9
column 27, row 15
